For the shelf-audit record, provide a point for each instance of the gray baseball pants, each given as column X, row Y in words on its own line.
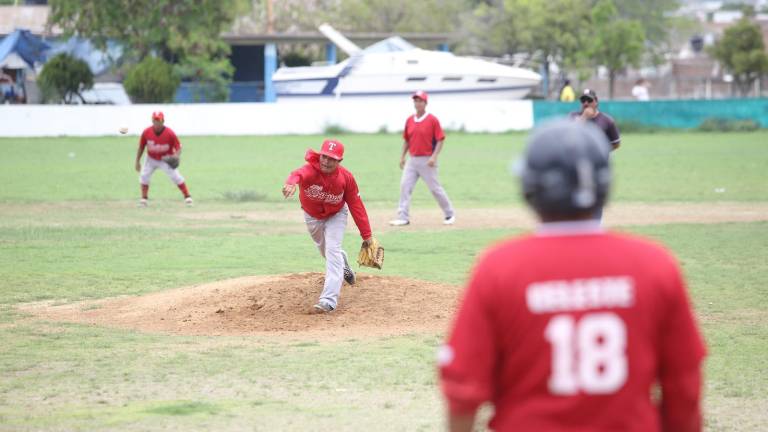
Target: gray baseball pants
column 416, row 167
column 328, row 235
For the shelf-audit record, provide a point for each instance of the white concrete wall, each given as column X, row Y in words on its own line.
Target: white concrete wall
column 292, row 117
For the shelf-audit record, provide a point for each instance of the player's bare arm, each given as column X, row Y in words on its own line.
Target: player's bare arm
column 461, row 422
column 288, row 190
column 138, row 158
column 433, row 159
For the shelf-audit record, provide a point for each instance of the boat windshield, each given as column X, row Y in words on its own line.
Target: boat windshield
column 391, row 44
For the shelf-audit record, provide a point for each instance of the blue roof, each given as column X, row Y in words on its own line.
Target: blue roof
column 26, row 45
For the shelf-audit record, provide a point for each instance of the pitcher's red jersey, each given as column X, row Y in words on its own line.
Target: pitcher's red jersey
column 323, row 195
column 570, row 330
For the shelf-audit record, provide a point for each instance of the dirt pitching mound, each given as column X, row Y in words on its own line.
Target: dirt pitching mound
column 374, row 306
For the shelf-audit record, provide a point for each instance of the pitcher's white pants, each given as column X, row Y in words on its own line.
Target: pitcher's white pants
column 416, row 167
column 150, row 165
column 328, row 235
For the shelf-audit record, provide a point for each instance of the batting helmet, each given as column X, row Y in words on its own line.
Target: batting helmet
column 566, row 170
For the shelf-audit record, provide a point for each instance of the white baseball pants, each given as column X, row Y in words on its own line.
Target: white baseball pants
column 416, row 167
column 150, row 165
column 328, row 235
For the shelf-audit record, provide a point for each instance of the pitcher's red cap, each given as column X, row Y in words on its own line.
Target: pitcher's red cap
column 421, row 94
column 333, row 149
column 158, row 115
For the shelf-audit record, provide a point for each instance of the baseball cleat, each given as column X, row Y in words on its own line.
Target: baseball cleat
column 188, row 201
column 449, row 220
column 399, row 222
column 321, row 308
column 349, row 275
column 143, row 202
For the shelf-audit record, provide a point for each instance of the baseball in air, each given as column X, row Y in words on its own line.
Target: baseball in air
column 123, row 130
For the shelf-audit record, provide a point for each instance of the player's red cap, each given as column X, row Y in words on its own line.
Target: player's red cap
column 421, row 94
column 158, row 115
column 333, row 149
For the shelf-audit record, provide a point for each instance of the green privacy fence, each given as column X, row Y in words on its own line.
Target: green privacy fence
column 676, row 114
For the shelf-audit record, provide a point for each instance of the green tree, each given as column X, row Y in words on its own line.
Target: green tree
column 186, row 33
column 657, row 21
column 616, row 42
column 151, row 81
column 548, row 30
column 742, row 52
column 63, row 77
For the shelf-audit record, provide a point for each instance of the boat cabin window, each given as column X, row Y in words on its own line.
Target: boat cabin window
column 451, row 78
column 416, row 78
column 486, row 80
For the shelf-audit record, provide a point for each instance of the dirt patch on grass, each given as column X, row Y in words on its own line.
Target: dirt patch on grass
column 282, row 218
column 374, row 306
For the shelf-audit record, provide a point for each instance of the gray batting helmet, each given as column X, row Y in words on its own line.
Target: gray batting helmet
column 566, row 169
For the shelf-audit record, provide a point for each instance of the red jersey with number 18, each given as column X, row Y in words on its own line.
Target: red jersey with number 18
column 166, row 143
column 568, row 330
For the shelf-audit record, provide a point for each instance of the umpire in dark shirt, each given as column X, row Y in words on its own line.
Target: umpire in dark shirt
column 589, row 112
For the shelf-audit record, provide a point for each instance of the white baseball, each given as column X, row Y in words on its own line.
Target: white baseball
column 123, row 130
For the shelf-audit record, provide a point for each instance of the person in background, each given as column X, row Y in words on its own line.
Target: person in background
column 423, row 139
column 640, row 90
column 566, row 92
column 160, row 142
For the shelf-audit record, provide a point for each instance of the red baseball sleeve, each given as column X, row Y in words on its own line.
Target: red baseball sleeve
column 175, row 143
column 405, row 131
column 438, row 130
column 356, row 207
column 296, row 175
column 467, row 361
column 682, row 352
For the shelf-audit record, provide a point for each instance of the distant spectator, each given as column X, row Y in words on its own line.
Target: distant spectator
column 7, row 88
column 566, row 92
column 640, row 90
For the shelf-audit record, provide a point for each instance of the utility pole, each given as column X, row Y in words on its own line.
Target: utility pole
column 270, row 17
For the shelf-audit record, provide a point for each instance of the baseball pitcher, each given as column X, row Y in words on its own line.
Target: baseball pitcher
column 328, row 193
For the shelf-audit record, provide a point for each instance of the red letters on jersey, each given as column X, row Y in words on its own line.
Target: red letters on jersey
column 422, row 134
column 555, row 329
column 159, row 145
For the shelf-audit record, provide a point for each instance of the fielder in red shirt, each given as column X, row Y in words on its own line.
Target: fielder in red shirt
column 571, row 328
column 160, row 142
column 423, row 139
column 328, row 193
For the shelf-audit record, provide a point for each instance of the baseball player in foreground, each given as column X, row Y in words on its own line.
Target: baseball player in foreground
column 570, row 329
column 163, row 152
column 423, row 140
column 328, row 193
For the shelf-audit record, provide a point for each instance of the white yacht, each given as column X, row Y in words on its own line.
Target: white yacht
column 394, row 67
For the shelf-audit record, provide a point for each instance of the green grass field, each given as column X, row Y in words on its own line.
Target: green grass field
column 70, row 230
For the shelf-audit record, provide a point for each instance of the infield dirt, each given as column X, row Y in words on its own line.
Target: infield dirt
column 282, row 304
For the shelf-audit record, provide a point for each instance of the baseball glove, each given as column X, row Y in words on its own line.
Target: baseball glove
column 172, row 161
column 371, row 255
